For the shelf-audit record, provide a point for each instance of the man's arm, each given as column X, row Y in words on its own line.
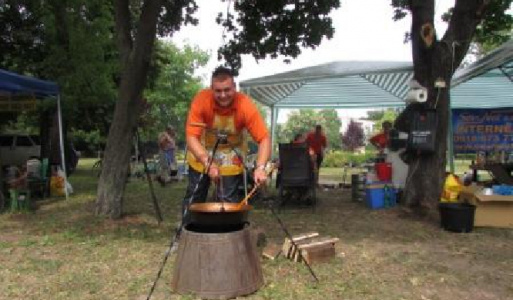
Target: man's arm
column 201, row 154
column 264, row 152
column 197, row 149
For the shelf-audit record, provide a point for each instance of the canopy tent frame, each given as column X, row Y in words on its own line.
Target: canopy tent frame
column 14, row 83
column 361, row 84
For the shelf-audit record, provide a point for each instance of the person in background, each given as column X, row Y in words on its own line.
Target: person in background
column 20, row 181
column 317, row 143
column 380, row 140
column 167, row 146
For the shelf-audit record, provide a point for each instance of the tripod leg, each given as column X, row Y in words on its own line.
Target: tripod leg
column 293, row 243
column 155, row 202
column 164, row 261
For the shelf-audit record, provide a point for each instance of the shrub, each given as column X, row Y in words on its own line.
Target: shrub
column 88, row 142
column 339, row 158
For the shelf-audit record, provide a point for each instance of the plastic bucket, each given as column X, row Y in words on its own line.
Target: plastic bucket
column 457, row 217
column 383, row 171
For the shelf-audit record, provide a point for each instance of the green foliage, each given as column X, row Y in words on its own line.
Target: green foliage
column 375, row 115
column 172, row 88
column 496, row 27
column 21, row 36
column 340, row 158
column 69, row 42
column 388, row 115
column 331, row 124
column 88, row 142
column 304, row 121
column 26, row 122
column 272, row 28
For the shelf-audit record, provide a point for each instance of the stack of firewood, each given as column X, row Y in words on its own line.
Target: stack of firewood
column 311, row 246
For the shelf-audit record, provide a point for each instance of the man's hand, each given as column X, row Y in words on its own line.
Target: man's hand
column 260, row 176
column 213, row 172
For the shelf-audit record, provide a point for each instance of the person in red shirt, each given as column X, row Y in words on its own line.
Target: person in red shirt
column 316, row 141
column 380, row 140
column 221, row 109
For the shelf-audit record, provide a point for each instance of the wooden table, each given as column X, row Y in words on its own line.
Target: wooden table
column 501, row 172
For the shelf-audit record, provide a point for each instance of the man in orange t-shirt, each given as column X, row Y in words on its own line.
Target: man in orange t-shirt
column 316, row 141
column 221, row 109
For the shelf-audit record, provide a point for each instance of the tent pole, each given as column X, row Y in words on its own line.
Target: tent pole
column 61, row 141
column 450, row 143
column 274, row 117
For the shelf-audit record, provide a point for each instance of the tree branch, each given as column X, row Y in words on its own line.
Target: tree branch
column 146, row 30
column 143, row 44
column 123, row 28
column 466, row 16
column 423, row 38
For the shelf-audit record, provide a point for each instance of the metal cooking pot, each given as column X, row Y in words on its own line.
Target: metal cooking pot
column 218, row 215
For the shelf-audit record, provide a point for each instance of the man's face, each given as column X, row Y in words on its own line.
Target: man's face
column 224, row 91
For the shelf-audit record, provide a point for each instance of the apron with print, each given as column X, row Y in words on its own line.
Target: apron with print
column 226, row 156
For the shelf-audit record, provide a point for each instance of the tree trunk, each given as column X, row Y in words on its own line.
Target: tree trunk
column 135, row 58
column 435, row 61
column 116, row 159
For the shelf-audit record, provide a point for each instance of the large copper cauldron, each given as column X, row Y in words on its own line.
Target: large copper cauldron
column 218, row 216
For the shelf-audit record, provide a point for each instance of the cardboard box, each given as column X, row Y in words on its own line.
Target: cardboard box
column 491, row 210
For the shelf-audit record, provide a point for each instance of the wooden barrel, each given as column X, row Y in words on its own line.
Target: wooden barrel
column 217, row 265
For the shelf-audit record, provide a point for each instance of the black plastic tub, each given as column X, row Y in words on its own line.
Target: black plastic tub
column 457, row 217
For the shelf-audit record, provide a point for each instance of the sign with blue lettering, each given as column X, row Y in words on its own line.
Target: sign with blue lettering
column 489, row 130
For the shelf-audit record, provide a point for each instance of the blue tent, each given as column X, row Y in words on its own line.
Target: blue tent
column 13, row 83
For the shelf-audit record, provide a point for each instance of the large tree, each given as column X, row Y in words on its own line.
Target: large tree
column 435, row 61
column 137, row 24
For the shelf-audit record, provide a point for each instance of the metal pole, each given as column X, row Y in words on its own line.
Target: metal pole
column 450, row 142
column 155, row 201
column 293, row 243
column 178, row 231
column 61, row 141
column 274, row 118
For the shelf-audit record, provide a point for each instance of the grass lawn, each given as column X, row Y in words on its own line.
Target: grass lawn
column 63, row 251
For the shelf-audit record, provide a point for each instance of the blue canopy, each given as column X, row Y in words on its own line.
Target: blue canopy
column 15, row 83
column 18, row 84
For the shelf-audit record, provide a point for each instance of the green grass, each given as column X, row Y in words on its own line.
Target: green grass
column 63, row 251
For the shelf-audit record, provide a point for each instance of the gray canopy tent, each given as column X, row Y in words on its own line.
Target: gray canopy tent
column 12, row 84
column 486, row 83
